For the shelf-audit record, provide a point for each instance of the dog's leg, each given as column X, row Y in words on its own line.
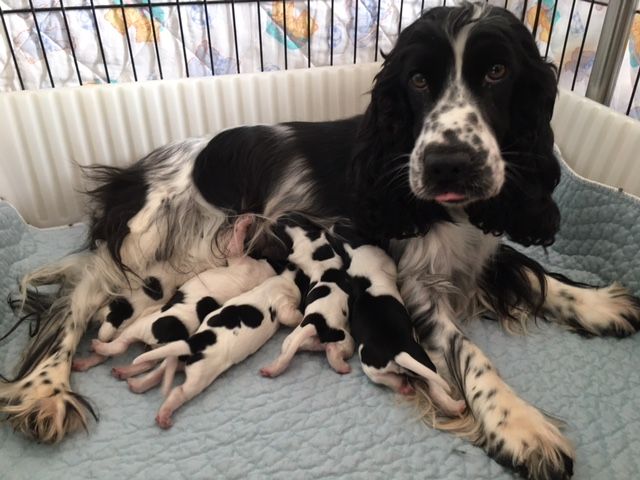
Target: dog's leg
column 290, row 346
column 122, row 373
column 82, row 364
column 199, row 375
column 338, row 352
column 40, row 402
column 516, row 288
column 510, row 430
column 396, row 382
column 608, row 311
column 148, row 381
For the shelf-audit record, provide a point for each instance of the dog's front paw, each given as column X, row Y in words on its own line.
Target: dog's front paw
column 519, row 437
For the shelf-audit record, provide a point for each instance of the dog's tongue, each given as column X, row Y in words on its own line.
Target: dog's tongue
column 449, row 197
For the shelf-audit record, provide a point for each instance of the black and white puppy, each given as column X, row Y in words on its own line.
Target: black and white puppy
column 383, row 331
column 121, row 312
column 326, row 304
column 228, row 336
column 195, row 299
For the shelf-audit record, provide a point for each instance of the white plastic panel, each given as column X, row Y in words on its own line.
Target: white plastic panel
column 44, row 132
column 597, row 142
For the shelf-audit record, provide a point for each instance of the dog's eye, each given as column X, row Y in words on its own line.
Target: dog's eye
column 496, row 73
column 419, row 81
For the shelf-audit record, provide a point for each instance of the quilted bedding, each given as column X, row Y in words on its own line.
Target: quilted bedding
column 312, row 423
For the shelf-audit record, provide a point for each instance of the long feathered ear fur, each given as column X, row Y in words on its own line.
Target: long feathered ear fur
column 524, row 209
column 385, row 206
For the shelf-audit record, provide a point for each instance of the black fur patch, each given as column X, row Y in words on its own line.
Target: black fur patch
column 339, row 277
column 201, row 340
column 302, row 282
column 120, row 194
column 169, row 328
column 120, row 309
column 325, row 333
column 325, row 252
column 176, row 298
column 317, row 293
column 153, row 288
column 234, row 316
column 205, row 306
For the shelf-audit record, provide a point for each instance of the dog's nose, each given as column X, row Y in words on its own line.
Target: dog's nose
column 446, row 168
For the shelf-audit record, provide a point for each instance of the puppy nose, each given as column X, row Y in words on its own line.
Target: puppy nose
column 444, row 168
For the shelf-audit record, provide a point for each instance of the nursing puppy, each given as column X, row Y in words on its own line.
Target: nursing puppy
column 383, row 332
column 195, row 299
column 155, row 290
column 326, row 304
column 228, row 336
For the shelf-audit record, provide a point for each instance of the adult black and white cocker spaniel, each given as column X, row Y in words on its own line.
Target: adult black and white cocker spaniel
column 454, row 151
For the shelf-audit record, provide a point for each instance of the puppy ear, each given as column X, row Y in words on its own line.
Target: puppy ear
column 525, row 209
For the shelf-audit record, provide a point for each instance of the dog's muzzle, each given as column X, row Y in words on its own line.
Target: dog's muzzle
column 455, row 175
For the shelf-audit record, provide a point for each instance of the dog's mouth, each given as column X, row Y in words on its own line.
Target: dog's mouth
column 451, row 198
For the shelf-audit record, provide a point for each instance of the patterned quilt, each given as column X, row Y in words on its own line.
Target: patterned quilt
column 153, row 41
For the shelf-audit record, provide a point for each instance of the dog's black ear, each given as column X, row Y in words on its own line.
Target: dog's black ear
column 524, row 209
column 385, row 207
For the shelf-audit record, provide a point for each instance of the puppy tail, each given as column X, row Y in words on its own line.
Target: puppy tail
column 173, row 349
column 407, row 361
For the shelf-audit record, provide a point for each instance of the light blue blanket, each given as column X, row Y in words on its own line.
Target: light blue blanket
column 312, row 423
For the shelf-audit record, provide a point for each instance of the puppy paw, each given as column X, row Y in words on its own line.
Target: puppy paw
column 267, row 372
column 164, row 420
column 82, row 364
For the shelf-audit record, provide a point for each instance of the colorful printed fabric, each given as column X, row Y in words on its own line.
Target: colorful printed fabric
column 152, row 42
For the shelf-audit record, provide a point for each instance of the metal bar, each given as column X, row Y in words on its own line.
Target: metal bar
column 506, row 3
column 13, row 54
column 44, row 53
column 553, row 20
column 73, row 50
column 566, row 37
column 184, row 47
column 421, row 10
column 400, row 17
column 208, row 27
column 633, row 92
column 126, row 35
column 155, row 39
column 260, row 37
column 284, row 28
column 584, row 39
column 331, row 45
column 104, row 59
column 537, row 19
column 309, row 33
column 355, row 34
column 378, row 30
column 610, row 52
column 169, row 3
column 524, row 10
column 235, row 35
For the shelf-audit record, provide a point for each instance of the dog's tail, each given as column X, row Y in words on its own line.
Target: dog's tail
column 173, row 349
